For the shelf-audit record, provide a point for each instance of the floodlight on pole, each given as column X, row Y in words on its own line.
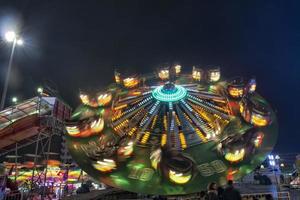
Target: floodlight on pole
column 11, row 37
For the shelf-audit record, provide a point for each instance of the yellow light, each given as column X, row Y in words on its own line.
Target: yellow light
column 165, row 122
column 238, row 155
column 122, row 124
column 104, row 99
column 196, row 74
column 252, row 88
column 136, row 93
column 130, row 82
column 163, row 139
column 155, row 158
column 163, row 74
column 84, row 99
column 105, row 165
column 258, row 120
column 117, row 115
column 217, row 128
column 117, row 77
column 72, row 179
column 200, row 134
column 72, row 130
column 154, row 121
column 126, row 150
column 97, row 125
column 214, row 75
column 236, row 92
column 187, row 117
column 241, row 108
column 132, row 131
column 145, row 137
column 177, row 120
column 203, row 114
column 179, row 178
column 120, row 107
column 182, row 140
column 177, row 69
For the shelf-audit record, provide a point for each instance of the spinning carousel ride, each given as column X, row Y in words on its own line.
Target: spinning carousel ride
column 171, row 133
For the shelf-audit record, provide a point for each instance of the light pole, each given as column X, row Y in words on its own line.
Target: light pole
column 10, row 36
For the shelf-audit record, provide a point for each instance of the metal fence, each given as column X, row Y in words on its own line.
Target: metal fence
column 263, row 196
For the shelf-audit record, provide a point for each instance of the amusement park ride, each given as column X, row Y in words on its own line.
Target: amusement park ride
column 28, row 132
column 171, row 132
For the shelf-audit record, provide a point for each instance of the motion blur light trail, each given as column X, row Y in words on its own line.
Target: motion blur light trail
column 171, row 133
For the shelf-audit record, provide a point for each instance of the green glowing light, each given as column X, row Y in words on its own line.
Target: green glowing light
column 119, row 180
column 135, row 165
column 175, row 94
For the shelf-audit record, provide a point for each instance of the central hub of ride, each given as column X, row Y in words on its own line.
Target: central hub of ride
column 169, row 92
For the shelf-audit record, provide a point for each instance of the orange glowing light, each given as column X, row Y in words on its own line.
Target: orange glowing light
column 130, row 82
column 104, row 99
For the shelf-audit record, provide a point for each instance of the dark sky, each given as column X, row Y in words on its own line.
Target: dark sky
column 77, row 44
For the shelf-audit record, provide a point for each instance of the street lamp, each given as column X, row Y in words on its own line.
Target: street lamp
column 15, row 39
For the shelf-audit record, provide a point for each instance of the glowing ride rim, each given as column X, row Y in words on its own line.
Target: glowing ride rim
column 178, row 93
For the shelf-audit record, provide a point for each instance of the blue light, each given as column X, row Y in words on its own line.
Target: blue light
column 271, row 157
column 272, row 162
column 169, row 95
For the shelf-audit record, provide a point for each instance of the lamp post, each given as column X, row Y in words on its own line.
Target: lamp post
column 13, row 38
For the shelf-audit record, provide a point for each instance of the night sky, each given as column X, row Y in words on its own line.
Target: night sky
column 77, row 45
